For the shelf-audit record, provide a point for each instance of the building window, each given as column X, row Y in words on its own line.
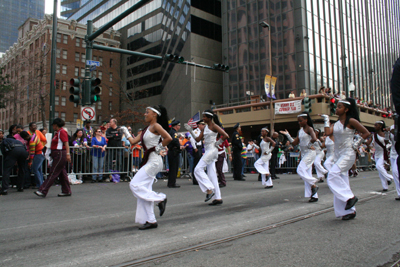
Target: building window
column 65, row 39
column 58, row 68
column 110, row 91
column 110, row 105
column 111, row 62
column 58, row 53
column 101, row 90
column 75, row 105
column 101, row 61
column 56, row 100
column 76, row 56
column 83, row 58
column 63, row 116
column 99, row 119
column 58, row 37
column 78, row 42
column 64, row 69
column 64, row 54
column 111, row 77
column 100, row 75
column 64, row 85
column 76, row 71
column 63, row 101
column 83, row 44
column 57, row 86
column 82, row 72
column 75, row 116
column 95, row 58
column 99, row 105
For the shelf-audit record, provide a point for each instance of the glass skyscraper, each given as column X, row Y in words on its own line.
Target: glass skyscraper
column 329, row 43
column 69, row 7
column 13, row 14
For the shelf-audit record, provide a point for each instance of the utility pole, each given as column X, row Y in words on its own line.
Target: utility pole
column 53, row 67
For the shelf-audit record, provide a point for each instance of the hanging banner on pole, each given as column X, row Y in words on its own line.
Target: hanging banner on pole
column 273, row 84
column 288, row 107
column 267, row 83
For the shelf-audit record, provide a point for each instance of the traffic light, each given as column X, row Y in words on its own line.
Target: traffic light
column 218, row 66
column 174, row 58
column 74, row 90
column 307, row 105
column 333, row 104
column 95, row 90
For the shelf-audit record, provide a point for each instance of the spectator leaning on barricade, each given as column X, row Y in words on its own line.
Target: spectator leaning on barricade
column 114, row 136
column 80, row 144
column 36, row 156
column 60, row 155
column 97, row 152
column 14, row 152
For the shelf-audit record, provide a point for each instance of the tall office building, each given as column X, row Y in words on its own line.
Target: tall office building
column 13, row 13
column 329, row 43
column 191, row 29
column 69, row 7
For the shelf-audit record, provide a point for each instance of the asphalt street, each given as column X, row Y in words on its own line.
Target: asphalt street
column 96, row 226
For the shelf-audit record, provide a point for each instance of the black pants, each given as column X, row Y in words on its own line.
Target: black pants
column 19, row 155
column 197, row 156
column 237, row 165
column 272, row 167
column 173, row 161
column 219, row 165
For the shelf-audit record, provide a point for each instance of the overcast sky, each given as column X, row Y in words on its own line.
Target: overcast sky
column 48, row 7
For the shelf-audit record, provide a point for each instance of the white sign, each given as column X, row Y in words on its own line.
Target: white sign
column 88, row 113
column 288, row 107
column 93, row 63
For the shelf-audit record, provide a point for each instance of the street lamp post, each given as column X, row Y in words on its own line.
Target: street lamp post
column 271, row 105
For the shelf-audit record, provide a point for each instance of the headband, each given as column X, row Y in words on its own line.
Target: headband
column 302, row 115
column 345, row 102
column 380, row 122
column 265, row 129
column 208, row 113
column 155, row 110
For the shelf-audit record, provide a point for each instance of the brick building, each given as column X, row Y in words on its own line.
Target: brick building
column 27, row 63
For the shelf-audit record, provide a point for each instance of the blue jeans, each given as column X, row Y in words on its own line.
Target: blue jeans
column 36, row 169
column 98, row 164
column 191, row 160
column 243, row 165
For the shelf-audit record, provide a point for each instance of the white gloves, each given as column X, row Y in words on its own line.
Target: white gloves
column 218, row 143
column 125, row 131
column 357, row 143
column 326, row 120
column 160, row 148
column 189, row 129
column 289, row 138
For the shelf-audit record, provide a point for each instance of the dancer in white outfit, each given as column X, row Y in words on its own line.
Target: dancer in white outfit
column 154, row 139
column 393, row 159
column 381, row 155
column 262, row 164
column 330, row 149
column 306, row 139
column 208, row 182
column 321, row 171
column 345, row 154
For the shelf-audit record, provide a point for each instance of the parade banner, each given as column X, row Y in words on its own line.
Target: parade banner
column 273, row 84
column 288, row 107
column 267, row 83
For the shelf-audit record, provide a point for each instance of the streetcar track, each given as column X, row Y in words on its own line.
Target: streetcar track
column 237, row 236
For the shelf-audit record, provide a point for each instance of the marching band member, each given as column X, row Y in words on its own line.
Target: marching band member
column 306, row 139
column 345, row 154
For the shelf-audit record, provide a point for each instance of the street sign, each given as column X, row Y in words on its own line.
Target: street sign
column 88, row 113
column 92, row 68
column 93, row 63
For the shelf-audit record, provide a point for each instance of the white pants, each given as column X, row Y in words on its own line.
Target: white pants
column 395, row 172
column 339, row 184
column 383, row 174
column 209, row 180
column 328, row 164
column 263, row 168
column 306, row 174
column 141, row 187
column 321, row 171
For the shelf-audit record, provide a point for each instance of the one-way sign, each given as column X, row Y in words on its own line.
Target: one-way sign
column 93, row 63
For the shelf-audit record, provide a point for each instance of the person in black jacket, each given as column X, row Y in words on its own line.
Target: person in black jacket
column 13, row 151
column 274, row 158
column 114, row 136
column 174, row 150
column 236, row 154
